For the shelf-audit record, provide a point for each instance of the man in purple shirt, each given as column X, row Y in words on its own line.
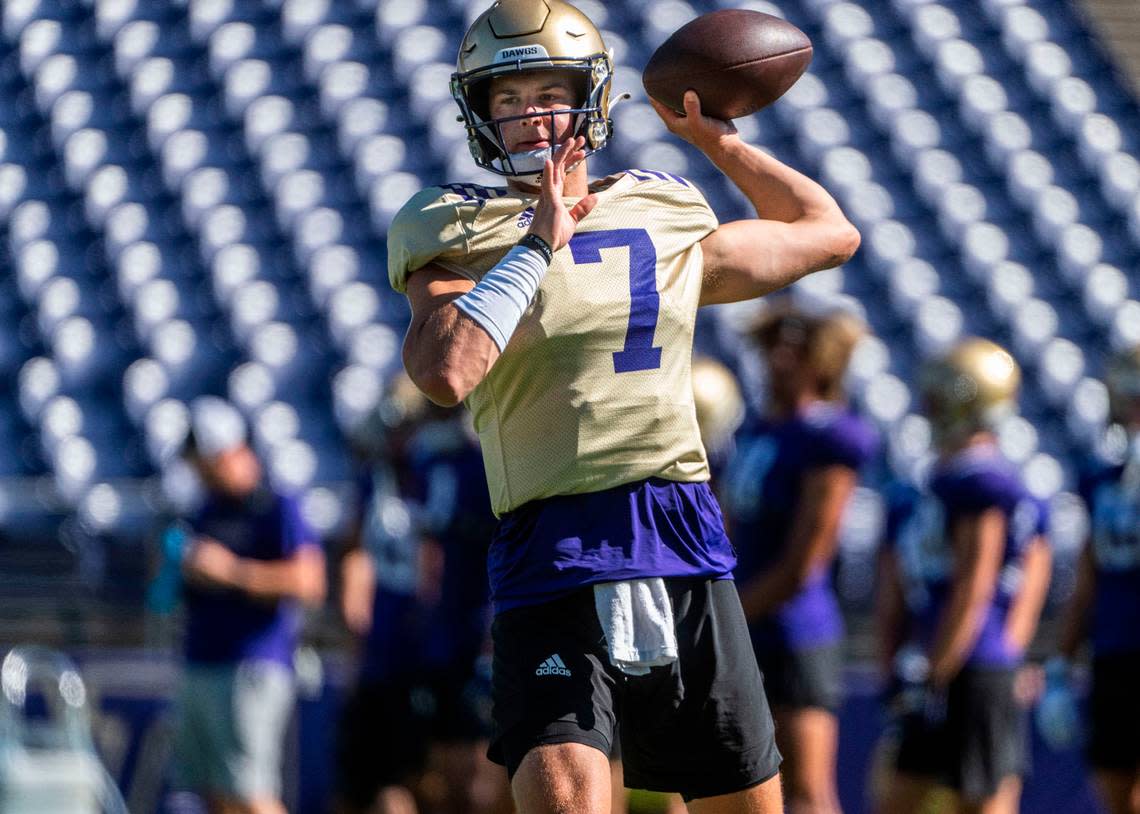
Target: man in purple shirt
column 965, row 572
column 1105, row 609
column 785, row 492
column 250, row 562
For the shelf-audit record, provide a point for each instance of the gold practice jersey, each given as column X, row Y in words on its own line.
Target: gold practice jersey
column 594, row 388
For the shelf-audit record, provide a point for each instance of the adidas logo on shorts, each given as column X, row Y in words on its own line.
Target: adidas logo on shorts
column 553, row 666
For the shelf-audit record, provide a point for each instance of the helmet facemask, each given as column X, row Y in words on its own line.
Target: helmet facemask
column 485, row 136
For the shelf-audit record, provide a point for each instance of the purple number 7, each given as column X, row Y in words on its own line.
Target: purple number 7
column 644, row 301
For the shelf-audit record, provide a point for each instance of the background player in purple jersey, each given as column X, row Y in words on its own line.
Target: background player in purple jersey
column 1105, row 609
column 785, row 493
column 965, row 573
column 413, row 735
column 251, row 559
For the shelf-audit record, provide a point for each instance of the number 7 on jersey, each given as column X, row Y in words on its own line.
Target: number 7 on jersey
column 644, row 301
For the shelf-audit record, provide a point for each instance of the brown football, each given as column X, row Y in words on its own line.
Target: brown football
column 737, row 61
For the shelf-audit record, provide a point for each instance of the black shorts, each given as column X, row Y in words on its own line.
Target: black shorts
column 1114, row 713
column 387, row 728
column 982, row 739
column 700, row 726
column 799, row 679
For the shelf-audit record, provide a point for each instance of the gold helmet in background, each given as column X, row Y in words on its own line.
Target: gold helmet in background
column 1122, row 378
column 970, row 389
column 526, row 35
column 720, row 406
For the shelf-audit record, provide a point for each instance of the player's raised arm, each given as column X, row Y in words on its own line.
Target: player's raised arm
column 458, row 328
column 799, row 229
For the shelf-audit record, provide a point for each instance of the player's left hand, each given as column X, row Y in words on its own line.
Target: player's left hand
column 208, row 561
column 553, row 221
column 703, row 132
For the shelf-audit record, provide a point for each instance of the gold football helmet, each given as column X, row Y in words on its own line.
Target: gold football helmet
column 528, row 35
column 970, row 389
column 720, row 406
column 1123, row 381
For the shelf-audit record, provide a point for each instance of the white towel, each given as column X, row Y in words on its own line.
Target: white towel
column 637, row 618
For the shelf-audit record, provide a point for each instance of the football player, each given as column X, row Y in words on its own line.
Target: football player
column 785, row 493
column 384, row 599
column 1105, row 608
column 965, row 572
column 562, row 312
column 720, row 410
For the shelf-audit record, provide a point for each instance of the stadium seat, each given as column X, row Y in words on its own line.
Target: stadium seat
column 1072, row 100
column 931, row 25
column 245, row 81
column 1061, row 367
column 253, row 304
column 981, row 98
column 1125, row 329
column 1120, row 180
column 1034, row 324
column 961, row 206
column 867, row 58
column 145, row 383
column 938, row 324
column 137, row 264
column 1087, row 412
column 910, row 284
column 393, row 19
column 38, row 41
column 844, row 23
column 300, row 17
column 356, row 390
column 375, row 346
column 420, row 45
column 13, row 185
column 331, row 267
column 151, row 78
column 229, row 44
column 912, row 133
column 133, row 43
column 359, row 120
column 934, row 171
column 1010, row 286
column 1021, row 28
column 251, row 385
column 886, row 399
column 888, row 95
column 984, row 246
column 1005, row 134
column 1105, row 290
column 340, row 83
column 1046, row 64
column 317, row 228
column 956, row 61
column 352, row 307
column 1029, row 174
column 1054, row 209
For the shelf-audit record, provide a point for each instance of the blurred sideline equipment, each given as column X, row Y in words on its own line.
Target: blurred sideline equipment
column 49, row 765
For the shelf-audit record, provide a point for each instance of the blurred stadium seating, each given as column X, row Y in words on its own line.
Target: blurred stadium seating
column 194, row 197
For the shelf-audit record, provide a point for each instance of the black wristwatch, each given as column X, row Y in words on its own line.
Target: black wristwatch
column 532, row 241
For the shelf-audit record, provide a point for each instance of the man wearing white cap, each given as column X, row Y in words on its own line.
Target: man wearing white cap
column 251, row 560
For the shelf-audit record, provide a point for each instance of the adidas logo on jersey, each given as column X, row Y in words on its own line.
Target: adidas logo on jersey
column 553, row 666
column 525, row 218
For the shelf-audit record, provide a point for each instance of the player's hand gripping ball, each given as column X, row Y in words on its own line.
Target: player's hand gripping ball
column 737, row 61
